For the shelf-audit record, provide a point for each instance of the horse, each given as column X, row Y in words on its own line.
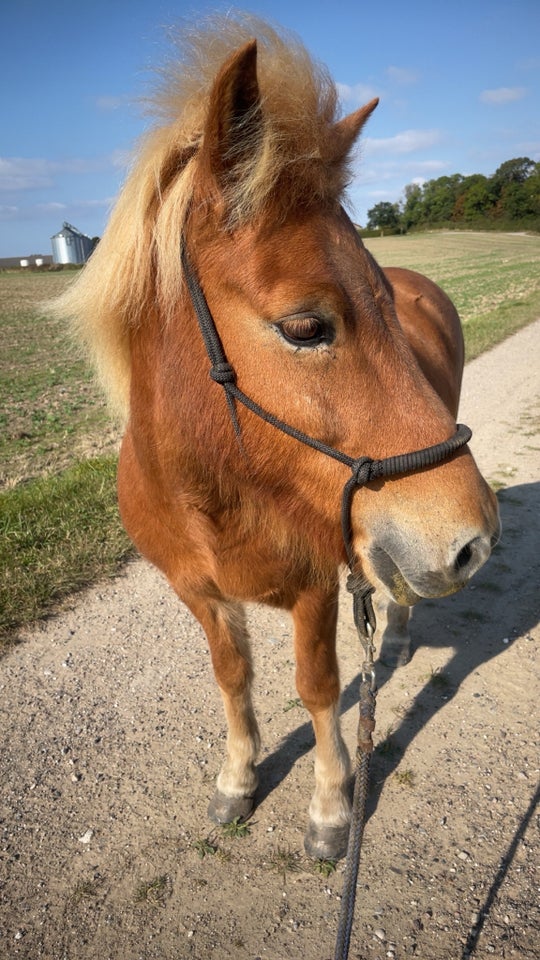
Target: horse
column 242, row 183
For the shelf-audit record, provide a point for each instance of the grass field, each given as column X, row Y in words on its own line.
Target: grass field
column 59, row 527
column 493, row 278
column 51, row 412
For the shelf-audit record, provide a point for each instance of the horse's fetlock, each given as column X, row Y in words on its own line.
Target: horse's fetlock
column 330, row 807
column 237, row 779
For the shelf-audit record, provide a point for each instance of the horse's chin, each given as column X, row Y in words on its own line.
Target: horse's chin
column 400, row 591
column 399, row 587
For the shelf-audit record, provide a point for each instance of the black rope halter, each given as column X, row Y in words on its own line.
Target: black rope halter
column 363, row 469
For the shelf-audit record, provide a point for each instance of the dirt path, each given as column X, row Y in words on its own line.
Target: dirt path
column 112, row 734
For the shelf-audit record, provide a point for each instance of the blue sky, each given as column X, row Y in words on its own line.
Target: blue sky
column 459, row 84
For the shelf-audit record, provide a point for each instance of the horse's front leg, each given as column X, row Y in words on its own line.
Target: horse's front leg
column 224, row 624
column 317, row 681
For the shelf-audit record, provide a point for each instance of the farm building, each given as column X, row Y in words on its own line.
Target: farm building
column 69, row 245
column 32, row 260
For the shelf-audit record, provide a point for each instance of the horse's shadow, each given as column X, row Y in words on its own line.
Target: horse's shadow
column 480, row 622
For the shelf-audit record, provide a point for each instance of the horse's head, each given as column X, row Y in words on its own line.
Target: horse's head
column 308, row 322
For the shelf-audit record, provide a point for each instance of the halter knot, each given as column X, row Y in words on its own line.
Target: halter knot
column 223, row 373
column 361, row 470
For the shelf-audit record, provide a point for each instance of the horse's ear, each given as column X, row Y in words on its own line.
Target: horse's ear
column 345, row 131
column 234, row 119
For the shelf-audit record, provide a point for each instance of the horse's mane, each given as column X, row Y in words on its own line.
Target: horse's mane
column 136, row 265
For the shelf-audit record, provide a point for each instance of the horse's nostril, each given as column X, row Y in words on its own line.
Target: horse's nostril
column 463, row 557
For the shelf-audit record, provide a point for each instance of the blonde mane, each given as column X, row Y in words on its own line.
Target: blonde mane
column 136, row 266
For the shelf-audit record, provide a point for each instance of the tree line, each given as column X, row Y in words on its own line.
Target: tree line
column 510, row 197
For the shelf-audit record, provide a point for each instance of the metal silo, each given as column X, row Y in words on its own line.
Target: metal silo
column 69, row 245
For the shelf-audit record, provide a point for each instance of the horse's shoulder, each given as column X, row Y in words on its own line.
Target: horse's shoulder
column 432, row 326
column 417, row 292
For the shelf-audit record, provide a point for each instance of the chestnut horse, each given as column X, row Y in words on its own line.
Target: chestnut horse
column 246, row 174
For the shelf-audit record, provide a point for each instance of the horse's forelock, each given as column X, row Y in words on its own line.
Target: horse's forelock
column 292, row 161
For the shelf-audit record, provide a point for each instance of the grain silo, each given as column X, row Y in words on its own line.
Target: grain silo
column 71, row 246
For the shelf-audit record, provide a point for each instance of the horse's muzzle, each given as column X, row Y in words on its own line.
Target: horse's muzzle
column 412, row 569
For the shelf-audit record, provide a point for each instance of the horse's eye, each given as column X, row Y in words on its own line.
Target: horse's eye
column 302, row 330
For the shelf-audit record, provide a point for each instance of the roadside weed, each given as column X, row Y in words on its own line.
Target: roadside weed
column 236, row 828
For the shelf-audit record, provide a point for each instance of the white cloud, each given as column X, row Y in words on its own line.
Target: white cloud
column 356, row 95
column 379, row 194
column 428, row 166
column 503, row 95
column 56, row 207
column 529, row 148
column 84, row 165
column 121, row 158
column 36, row 173
column 402, row 76
column 398, row 171
column 52, row 207
column 8, row 212
column 408, row 141
column 60, row 211
column 105, row 202
column 20, row 173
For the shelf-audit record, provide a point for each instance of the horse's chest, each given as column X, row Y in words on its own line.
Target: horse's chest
column 257, row 565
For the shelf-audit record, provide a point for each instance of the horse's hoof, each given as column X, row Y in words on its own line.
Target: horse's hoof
column 326, row 843
column 224, row 809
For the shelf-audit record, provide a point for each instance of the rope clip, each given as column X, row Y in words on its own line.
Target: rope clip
column 368, row 666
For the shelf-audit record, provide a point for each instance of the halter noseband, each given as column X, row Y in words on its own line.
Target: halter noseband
column 364, row 469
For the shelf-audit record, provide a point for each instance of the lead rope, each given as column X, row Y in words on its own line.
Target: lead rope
column 365, row 623
column 364, row 749
column 363, row 470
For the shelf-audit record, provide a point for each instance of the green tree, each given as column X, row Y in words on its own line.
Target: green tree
column 383, row 216
column 532, row 190
column 413, row 207
column 512, row 193
column 440, row 198
column 513, row 171
column 520, row 200
column 478, row 199
column 464, row 187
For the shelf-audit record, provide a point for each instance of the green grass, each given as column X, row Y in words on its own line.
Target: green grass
column 325, row 867
column 205, row 847
column 493, row 279
column 154, row 892
column 405, row 778
column 387, row 747
column 236, row 829
column 285, row 861
column 52, row 413
column 59, row 524
column 293, row 704
column 437, row 678
column 58, row 534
